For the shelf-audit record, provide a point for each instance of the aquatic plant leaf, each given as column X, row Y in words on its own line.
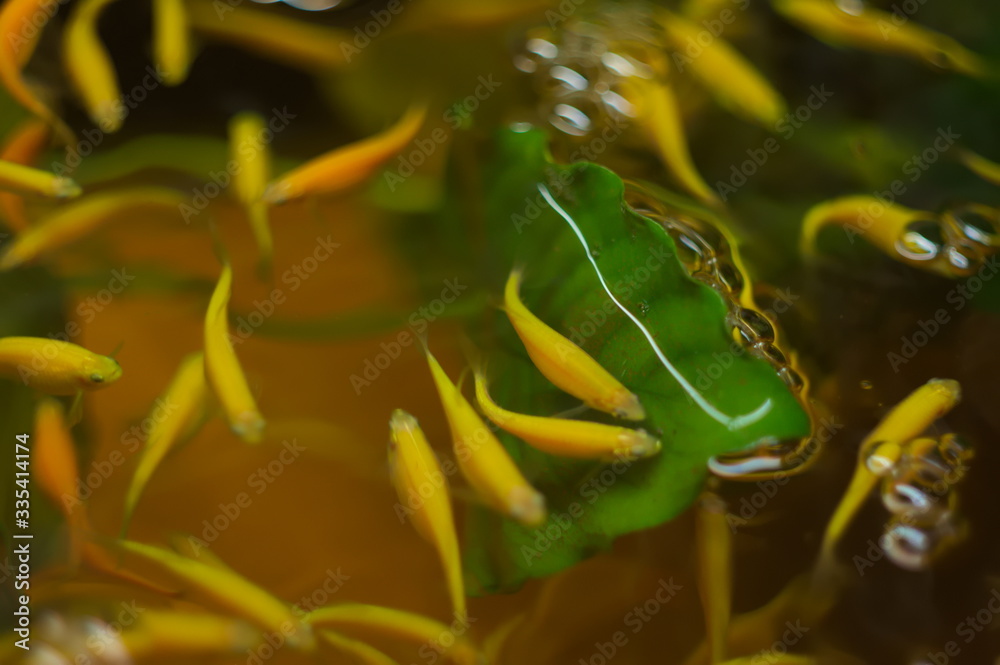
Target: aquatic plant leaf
column 610, row 280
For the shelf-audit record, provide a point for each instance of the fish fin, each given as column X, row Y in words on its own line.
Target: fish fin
column 75, row 410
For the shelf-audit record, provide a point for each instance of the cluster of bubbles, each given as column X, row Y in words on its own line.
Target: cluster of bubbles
column 85, row 639
column 954, row 243
column 708, row 258
column 918, row 491
column 579, row 70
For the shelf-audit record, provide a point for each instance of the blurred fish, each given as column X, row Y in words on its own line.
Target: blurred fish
column 19, row 178
column 731, row 79
column 568, row 438
column 875, row 30
column 414, row 467
column 89, row 66
column 73, row 221
column 19, row 26
column 344, row 167
column 171, row 40
column 253, row 158
column 223, row 367
column 23, row 145
column 185, row 402
column 55, row 367
column 564, row 363
column 484, row 461
column 266, row 33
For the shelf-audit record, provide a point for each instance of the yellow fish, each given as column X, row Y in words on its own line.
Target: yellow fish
column 73, row 221
column 54, row 467
column 89, row 66
column 22, row 146
column 18, row 45
column 186, row 397
column 295, row 43
column 715, row 571
column 55, row 367
column 914, row 237
column 349, row 165
column 414, row 467
column 882, row 448
column 660, row 114
column 250, row 181
column 171, row 40
column 361, row 651
column 731, row 79
column 875, row 30
column 984, row 168
column 228, row 590
column 564, row 363
column 223, row 367
column 165, row 633
column 568, row 438
column 414, row 628
column 26, row 179
column 482, row 458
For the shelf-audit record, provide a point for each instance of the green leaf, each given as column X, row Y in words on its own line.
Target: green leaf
column 663, row 334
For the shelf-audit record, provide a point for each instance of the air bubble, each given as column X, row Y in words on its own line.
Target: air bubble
column 921, row 240
column 955, row 450
column 768, row 457
column 878, row 459
column 905, row 499
column 542, row 48
column 866, row 384
column 852, row 7
column 908, row 547
column 759, row 325
column 770, row 353
column 962, row 259
column 619, row 65
column 570, row 120
column 791, row 378
column 572, row 79
column 976, row 226
column 730, row 278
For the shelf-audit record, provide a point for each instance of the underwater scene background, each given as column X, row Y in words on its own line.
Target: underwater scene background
column 536, row 331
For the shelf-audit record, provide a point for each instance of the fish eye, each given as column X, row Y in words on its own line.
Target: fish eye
column 96, row 378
